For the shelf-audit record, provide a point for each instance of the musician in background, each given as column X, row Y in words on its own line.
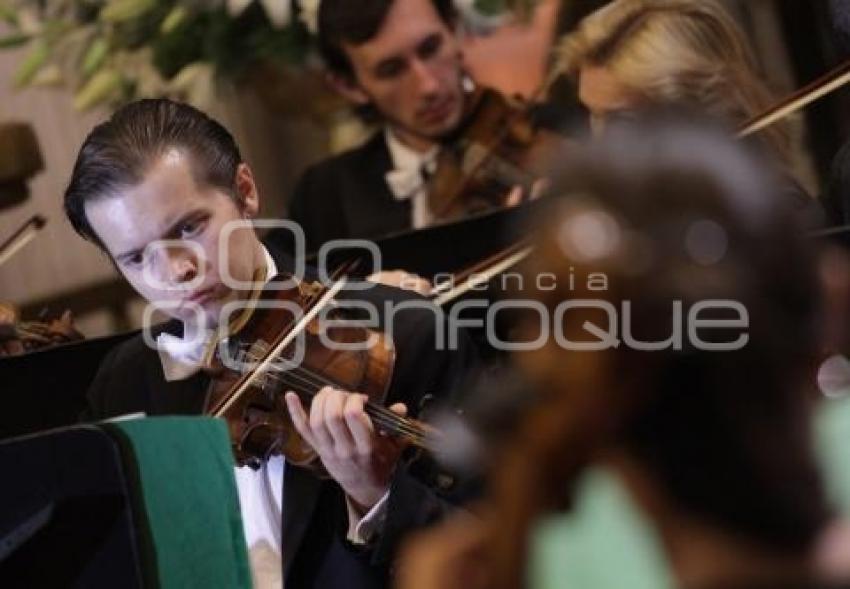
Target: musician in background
column 399, row 62
column 153, row 187
column 635, row 54
column 710, row 432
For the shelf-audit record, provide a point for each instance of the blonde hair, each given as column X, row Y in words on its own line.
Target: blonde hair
column 685, row 52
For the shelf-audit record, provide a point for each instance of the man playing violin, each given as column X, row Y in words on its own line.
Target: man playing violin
column 153, row 187
column 399, row 62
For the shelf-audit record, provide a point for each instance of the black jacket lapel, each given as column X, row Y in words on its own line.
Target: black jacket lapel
column 300, row 495
column 370, row 207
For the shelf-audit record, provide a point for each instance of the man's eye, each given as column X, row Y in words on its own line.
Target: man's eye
column 190, row 228
column 134, row 260
column 430, row 47
column 390, row 69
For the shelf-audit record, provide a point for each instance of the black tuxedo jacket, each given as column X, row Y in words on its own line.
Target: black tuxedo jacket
column 315, row 520
column 347, row 196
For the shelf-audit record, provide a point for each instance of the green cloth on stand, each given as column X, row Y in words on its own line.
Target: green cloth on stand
column 606, row 542
column 190, row 524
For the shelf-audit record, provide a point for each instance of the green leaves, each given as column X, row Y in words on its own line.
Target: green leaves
column 33, row 62
column 103, row 86
column 117, row 11
column 14, row 40
column 94, row 56
column 175, row 18
column 110, row 50
column 8, row 15
column 181, row 45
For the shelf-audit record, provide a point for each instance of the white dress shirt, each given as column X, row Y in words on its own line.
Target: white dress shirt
column 407, row 179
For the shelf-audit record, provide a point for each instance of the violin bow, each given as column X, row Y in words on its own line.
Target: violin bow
column 480, row 273
column 25, row 234
column 315, row 305
column 249, row 378
column 823, row 86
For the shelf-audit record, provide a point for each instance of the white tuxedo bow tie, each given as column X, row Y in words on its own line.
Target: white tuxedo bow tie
column 181, row 358
column 405, row 182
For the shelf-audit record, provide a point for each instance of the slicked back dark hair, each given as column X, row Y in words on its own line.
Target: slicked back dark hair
column 355, row 22
column 118, row 153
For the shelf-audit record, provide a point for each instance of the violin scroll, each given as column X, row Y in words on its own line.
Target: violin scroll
column 497, row 149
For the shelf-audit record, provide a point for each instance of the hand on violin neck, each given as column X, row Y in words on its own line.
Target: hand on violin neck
column 514, row 197
column 518, row 194
column 357, row 456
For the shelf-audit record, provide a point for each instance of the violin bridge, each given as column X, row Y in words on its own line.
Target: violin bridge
column 310, row 289
column 250, row 357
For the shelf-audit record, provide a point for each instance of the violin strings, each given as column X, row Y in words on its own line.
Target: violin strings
column 390, row 422
column 381, row 415
column 314, row 378
column 318, row 378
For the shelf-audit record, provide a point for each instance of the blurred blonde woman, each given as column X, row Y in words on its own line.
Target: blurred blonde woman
column 639, row 53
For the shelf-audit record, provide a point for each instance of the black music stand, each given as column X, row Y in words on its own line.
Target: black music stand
column 47, row 388
column 65, row 513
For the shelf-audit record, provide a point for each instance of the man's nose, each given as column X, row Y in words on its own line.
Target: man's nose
column 425, row 77
column 181, row 266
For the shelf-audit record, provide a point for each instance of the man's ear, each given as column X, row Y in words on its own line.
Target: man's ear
column 246, row 190
column 348, row 88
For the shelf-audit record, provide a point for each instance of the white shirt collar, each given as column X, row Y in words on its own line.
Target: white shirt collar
column 406, row 180
column 405, row 157
column 271, row 267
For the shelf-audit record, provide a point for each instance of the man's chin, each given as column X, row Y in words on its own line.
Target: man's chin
column 202, row 318
column 227, row 310
column 444, row 130
column 207, row 315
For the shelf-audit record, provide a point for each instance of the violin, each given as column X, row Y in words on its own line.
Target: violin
column 508, row 258
column 496, row 149
column 287, row 341
column 19, row 337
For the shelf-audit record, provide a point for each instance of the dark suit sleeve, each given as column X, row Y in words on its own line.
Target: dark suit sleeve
column 120, row 385
column 315, row 205
column 130, row 380
column 96, row 396
column 298, row 210
column 299, row 204
column 427, row 367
